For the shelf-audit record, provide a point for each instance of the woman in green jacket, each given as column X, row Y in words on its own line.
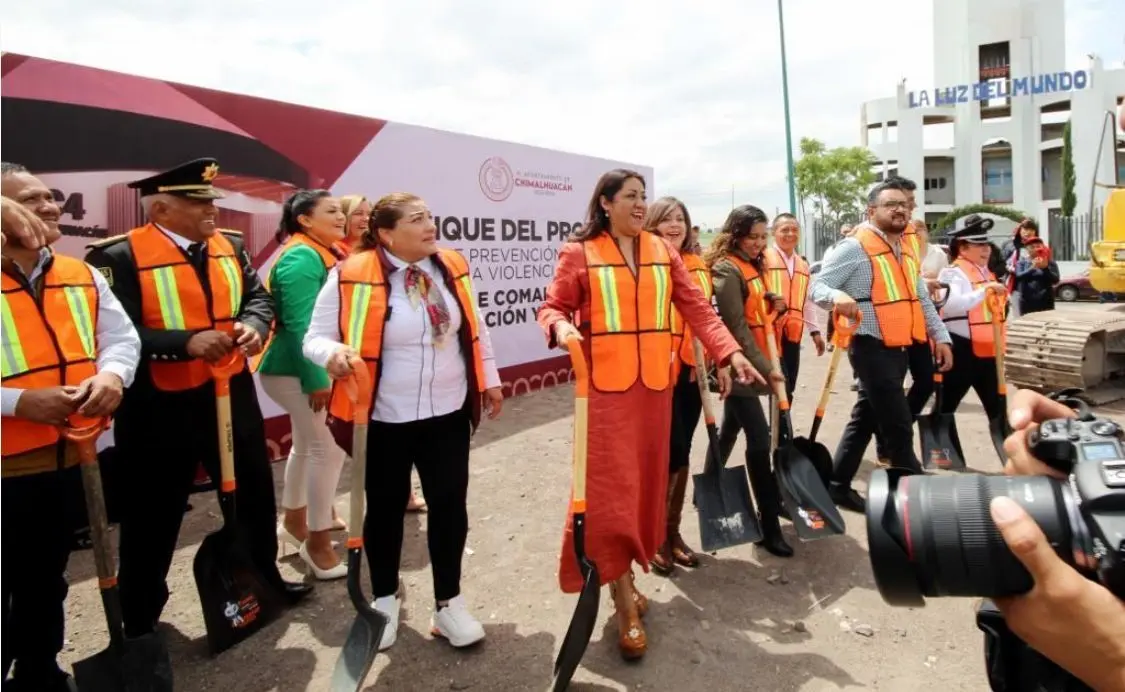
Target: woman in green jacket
column 735, row 259
column 312, row 222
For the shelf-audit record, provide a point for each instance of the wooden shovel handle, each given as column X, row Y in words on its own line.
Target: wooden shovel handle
column 997, row 304
column 701, row 380
column 359, row 390
column 222, row 371
column 767, row 318
column 581, row 413
column 86, row 437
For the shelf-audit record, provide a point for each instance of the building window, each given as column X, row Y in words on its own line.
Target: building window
column 997, row 180
column 935, row 183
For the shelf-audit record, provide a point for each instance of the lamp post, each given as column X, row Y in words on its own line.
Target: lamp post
column 785, row 96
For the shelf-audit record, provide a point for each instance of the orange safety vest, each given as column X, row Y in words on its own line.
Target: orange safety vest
column 755, row 296
column 794, row 289
column 980, row 317
column 172, row 297
column 47, row 342
column 894, row 290
column 363, row 316
column 681, row 331
column 910, row 236
column 327, row 256
column 630, row 315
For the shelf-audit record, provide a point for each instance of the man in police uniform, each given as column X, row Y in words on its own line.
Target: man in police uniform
column 68, row 348
column 194, row 296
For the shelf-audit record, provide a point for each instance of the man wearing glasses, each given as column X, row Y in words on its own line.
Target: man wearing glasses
column 875, row 273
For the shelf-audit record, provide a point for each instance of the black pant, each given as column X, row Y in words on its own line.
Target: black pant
column 687, row 405
column 439, row 448
column 745, row 412
column 39, row 519
column 881, row 405
column 970, row 371
column 161, row 438
column 920, row 358
column 790, row 365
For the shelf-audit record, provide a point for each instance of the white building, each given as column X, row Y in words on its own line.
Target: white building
column 990, row 128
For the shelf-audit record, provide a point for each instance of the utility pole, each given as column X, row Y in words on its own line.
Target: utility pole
column 785, row 96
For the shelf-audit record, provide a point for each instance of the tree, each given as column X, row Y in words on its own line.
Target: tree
column 834, row 181
column 946, row 223
column 1069, row 201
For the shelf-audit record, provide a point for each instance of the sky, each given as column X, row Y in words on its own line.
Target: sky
column 691, row 89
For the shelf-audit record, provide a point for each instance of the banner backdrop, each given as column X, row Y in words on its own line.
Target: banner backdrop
column 507, row 207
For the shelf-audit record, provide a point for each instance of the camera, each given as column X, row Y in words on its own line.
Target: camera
column 931, row 535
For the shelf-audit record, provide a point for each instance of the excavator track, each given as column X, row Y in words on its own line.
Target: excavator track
column 1069, row 347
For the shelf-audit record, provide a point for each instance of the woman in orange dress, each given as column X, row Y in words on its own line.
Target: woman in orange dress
column 623, row 281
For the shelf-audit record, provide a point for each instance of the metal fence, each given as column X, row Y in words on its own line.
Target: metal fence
column 823, row 234
column 1070, row 236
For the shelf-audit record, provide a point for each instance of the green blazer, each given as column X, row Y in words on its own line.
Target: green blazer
column 295, row 281
column 730, row 297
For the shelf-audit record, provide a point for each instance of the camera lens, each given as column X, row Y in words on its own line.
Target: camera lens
column 933, row 535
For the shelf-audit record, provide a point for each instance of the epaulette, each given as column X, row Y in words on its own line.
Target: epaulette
column 106, row 242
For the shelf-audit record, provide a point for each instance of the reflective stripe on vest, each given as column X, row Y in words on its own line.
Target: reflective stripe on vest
column 630, row 315
column 327, row 256
column 363, row 316
column 894, row 291
column 794, row 289
column 172, row 297
column 755, row 296
column 46, row 343
column 681, row 331
column 910, row 237
column 980, row 317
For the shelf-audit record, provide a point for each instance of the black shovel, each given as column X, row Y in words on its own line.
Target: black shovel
column 998, row 427
column 938, row 440
column 237, row 600
column 721, row 495
column 139, row 664
column 937, row 434
column 803, row 491
column 362, row 644
column 816, row 452
column 586, row 610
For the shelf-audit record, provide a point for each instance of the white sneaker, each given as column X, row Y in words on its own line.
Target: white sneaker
column 388, row 605
column 456, row 624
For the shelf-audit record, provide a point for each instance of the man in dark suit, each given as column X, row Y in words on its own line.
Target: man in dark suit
column 194, row 296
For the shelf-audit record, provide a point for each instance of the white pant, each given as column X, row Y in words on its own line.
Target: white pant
column 312, row 471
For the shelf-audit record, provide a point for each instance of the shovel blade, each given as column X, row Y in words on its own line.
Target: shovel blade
column 726, row 513
column 805, row 496
column 940, row 444
column 147, row 665
column 581, row 628
column 101, row 672
column 359, row 652
column 362, row 644
column 236, row 600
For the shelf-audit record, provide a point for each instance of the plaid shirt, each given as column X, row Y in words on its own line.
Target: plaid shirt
column 847, row 269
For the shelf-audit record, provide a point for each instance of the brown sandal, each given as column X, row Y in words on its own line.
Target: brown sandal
column 677, row 489
column 631, row 638
column 664, row 562
column 639, row 598
column 681, row 553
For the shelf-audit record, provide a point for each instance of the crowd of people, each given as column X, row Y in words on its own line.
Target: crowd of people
column 131, row 332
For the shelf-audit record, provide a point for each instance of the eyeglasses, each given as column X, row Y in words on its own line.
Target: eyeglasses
column 894, row 205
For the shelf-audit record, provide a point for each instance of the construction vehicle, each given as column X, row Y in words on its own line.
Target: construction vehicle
column 1080, row 347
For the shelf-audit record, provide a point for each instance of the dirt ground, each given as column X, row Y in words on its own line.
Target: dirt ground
column 745, row 620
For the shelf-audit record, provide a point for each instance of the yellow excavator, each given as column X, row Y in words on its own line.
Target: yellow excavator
column 1080, row 347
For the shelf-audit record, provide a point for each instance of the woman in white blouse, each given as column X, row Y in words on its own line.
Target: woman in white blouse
column 406, row 307
column 968, row 318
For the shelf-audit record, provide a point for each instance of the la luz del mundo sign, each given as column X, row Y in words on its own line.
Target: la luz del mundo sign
column 1001, row 88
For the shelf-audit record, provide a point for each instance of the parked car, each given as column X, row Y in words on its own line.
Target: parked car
column 1077, row 287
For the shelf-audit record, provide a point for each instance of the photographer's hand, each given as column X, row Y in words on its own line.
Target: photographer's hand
column 1028, row 409
column 1075, row 622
